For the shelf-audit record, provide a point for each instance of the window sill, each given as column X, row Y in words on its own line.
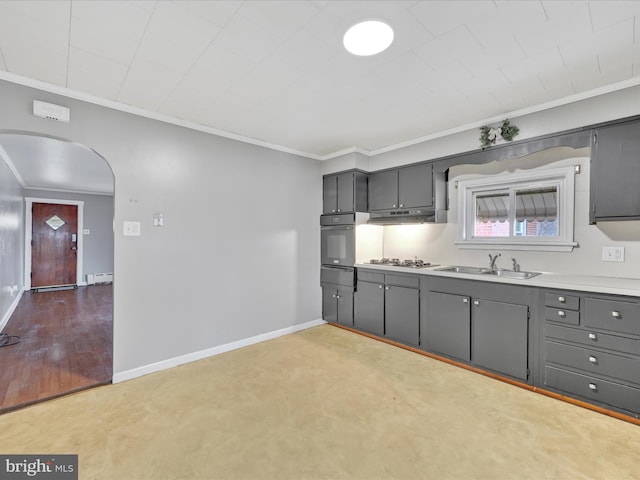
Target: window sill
column 531, row 246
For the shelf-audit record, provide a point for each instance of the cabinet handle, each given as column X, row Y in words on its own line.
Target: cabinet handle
column 386, row 288
column 476, row 302
column 593, row 336
column 334, row 296
column 380, row 286
column 333, row 211
column 561, row 313
column 593, row 386
column 593, row 359
column 465, row 300
column 562, row 299
column 616, row 314
column 401, row 205
column 394, row 205
column 338, row 210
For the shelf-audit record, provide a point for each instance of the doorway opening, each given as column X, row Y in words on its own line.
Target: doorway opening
column 66, row 238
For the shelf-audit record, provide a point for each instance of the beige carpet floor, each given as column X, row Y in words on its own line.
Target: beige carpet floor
column 324, row 403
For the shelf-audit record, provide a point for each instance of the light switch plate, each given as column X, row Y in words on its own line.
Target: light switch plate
column 613, row 254
column 86, row 231
column 131, row 229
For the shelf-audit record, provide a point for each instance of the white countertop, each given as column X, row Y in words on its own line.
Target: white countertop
column 585, row 283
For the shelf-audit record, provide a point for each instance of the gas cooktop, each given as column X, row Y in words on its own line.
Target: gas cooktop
column 396, row 262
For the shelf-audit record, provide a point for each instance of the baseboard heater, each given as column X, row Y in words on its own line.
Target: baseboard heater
column 94, row 278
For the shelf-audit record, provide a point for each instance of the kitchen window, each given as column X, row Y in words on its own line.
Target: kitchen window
column 523, row 210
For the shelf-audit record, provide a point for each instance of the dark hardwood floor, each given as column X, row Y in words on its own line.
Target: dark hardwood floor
column 66, row 345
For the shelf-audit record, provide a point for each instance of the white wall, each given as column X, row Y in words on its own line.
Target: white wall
column 239, row 253
column 11, row 241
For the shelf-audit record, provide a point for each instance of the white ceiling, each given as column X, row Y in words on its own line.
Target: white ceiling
column 276, row 71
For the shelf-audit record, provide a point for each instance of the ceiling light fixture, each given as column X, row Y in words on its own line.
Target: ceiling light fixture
column 368, row 38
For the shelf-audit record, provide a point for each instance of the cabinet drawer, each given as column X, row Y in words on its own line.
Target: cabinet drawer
column 614, row 315
column 603, row 391
column 402, row 281
column 562, row 315
column 593, row 339
column 595, row 362
column 562, row 301
column 369, row 276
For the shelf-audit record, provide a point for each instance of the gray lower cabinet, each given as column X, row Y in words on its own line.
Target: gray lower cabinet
column 445, row 323
column 337, row 304
column 483, row 323
column 500, row 337
column 591, row 348
column 401, row 312
column 388, row 305
column 368, row 308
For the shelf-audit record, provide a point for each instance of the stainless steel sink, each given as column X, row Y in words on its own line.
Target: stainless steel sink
column 459, row 269
column 512, row 274
column 488, row 271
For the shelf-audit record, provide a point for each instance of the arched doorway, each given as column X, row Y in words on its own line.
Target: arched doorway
column 66, row 333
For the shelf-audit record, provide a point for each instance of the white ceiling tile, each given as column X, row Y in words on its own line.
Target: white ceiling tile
column 221, row 61
column 606, row 78
column 147, row 5
column 247, row 39
column 506, row 20
column 100, row 40
column 493, row 57
column 276, row 72
column 532, row 66
column 559, row 30
column 183, row 103
column 280, row 18
column 162, row 51
column 148, row 83
column 404, row 68
column 443, row 16
column 179, row 25
column 607, row 13
column 555, row 8
column 449, row 76
column 603, row 41
column 558, row 78
column 619, row 58
column 216, row 12
column 547, row 95
column 305, row 51
column 205, row 83
column 34, row 62
column 448, row 48
column 39, row 31
column 94, row 74
column 120, row 18
column 479, row 86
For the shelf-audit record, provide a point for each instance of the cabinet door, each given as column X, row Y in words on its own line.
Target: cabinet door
column 383, row 190
column 615, row 172
column 415, row 186
column 345, row 307
column 329, row 304
column 330, row 194
column 445, row 324
column 368, row 307
column 401, row 317
column 500, row 337
column 345, row 192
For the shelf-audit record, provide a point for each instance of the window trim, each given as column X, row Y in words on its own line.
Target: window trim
column 563, row 177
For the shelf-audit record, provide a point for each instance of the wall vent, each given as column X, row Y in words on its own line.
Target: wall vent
column 93, row 278
column 51, row 111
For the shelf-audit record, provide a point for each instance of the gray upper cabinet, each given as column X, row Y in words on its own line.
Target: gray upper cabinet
column 407, row 187
column 344, row 192
column 615, row 173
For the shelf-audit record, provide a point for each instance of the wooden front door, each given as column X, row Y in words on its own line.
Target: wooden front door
column 54, row 242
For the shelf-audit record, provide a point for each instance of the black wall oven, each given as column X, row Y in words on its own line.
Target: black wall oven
column 338, row 239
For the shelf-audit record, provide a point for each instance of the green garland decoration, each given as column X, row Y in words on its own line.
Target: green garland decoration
column 489, row 135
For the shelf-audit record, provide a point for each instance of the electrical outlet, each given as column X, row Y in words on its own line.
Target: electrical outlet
column 613, row 254
column 131, row 229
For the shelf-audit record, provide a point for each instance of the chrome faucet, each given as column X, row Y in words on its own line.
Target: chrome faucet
column 492, row 261
column 516, row 265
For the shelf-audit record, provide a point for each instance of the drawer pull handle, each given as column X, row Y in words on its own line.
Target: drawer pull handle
column 465, row 300
column 561, row 313
column 562, row 299
column 337, row 296
column 593, row 359
column 334, row 296
column 379, row 286
column 616, row 314
column 476, row 302
column 386, row 288
column 593, row 336
column 593, row 386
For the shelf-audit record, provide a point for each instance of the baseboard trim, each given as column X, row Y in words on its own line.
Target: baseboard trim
column 210, row 352
column 12, row 308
